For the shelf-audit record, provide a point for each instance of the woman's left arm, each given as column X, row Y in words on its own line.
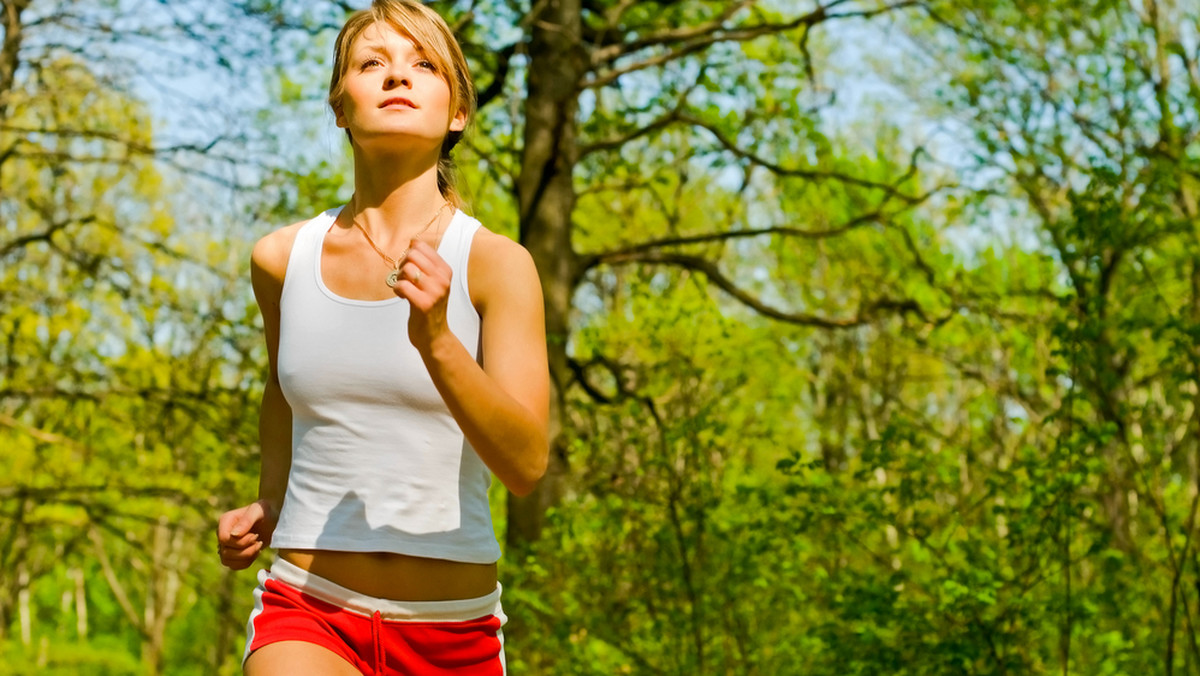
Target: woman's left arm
column 503, row 406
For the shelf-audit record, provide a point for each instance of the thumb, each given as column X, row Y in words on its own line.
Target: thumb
column 251, row 515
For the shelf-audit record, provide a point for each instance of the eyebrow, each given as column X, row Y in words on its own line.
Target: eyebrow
column 371, row 50
column 381, row 48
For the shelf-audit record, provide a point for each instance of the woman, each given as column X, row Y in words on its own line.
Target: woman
column 407, row 365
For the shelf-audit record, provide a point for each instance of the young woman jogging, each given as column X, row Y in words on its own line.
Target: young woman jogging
column 407, row 358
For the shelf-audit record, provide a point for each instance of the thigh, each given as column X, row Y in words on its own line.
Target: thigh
column 292, row 633
column 285, row 658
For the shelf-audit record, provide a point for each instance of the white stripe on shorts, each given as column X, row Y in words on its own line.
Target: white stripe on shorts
column 258, row 608
column 458, row 610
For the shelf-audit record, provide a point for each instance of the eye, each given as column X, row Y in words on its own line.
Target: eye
column 369, row 62
column 426, row 64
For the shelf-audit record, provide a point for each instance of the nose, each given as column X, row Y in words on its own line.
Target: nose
column 398, row 76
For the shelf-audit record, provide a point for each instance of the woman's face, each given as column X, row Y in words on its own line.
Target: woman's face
column 393, row 91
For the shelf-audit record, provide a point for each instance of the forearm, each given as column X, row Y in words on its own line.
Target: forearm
column 510, row 439
column 275, row 441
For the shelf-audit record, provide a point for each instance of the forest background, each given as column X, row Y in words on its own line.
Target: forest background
column 873, row 325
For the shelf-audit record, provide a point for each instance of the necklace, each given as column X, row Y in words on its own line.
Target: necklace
column 395, row 263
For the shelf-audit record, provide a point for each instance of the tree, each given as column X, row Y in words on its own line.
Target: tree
column 1079, row 126
column 128, row 353
column 643, row 98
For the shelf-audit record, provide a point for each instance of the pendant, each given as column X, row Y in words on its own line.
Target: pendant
column 393, row 277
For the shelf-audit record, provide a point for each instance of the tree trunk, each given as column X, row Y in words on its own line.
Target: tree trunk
column 24, row 611
column 10, row 49
column 546, row 199
column 80, row 597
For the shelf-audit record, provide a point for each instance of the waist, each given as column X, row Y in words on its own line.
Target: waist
column 398, row 577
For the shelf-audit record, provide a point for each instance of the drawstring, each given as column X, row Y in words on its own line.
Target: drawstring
column 377, row 638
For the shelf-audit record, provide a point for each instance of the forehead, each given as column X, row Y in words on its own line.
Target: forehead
column 385, row 37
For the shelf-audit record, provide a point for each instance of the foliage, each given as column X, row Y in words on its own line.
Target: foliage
column 824, row 406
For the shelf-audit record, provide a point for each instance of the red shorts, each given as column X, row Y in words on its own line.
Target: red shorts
column 378, row 636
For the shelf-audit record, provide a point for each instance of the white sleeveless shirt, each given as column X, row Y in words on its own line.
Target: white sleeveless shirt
column 378, row 462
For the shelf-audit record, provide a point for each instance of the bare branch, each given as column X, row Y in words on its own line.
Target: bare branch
column 41, row 435
column 580, row 371
column 797, row 172
column 41, row 236
column 70, row 494
column 612, row 52
column 499, row 76
column 706, row 238
column 623, row 186
column 133, row 145
column 868, row 313
column 694, row 39
column 114, row 584
column 674, row 115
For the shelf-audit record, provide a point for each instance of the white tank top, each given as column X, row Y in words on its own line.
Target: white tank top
column 378, row 462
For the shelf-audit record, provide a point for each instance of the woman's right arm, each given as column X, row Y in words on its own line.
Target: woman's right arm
column 242, row 533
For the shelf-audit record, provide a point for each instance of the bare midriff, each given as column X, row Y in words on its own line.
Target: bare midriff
column 397, row 576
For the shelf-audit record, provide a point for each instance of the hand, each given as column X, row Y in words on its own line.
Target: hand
column 242, row 533
column 425, row 283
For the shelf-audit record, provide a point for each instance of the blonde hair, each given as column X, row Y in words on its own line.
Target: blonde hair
column 428, row 30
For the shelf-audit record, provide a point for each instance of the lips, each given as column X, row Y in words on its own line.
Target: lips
column 398, row 101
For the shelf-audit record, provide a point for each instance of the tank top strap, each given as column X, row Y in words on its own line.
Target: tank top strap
column 456, row 245
column 302, row 261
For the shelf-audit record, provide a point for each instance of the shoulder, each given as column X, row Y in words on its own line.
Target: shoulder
column 500, row 267
column 489, row 250
column 269, row 257
column 269, row 261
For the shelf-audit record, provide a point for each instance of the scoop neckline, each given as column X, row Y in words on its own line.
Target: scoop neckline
column 332, row 215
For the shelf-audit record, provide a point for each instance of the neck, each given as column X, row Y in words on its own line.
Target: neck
column 395, row 195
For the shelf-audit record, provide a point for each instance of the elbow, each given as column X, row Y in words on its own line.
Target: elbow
column 521, row 489
column 530, row 473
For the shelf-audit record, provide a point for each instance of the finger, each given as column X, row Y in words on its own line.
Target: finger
column 233, row 552
column 432, row 275
column 247, row 540
column 422, row 281
column 416, row 262
column 249, row 518
column 430, row 260
column 237, row 559
column 410, row 292
column 413, row 273
column 404, row 286
column 423, row 248
column 226, row 524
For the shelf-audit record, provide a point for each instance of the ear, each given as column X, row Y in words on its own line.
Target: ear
column 339, row 115
column 459, row 121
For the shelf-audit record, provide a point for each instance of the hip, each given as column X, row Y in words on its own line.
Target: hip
column 398, row 577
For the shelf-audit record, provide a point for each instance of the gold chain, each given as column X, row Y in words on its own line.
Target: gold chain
column 395, row 263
